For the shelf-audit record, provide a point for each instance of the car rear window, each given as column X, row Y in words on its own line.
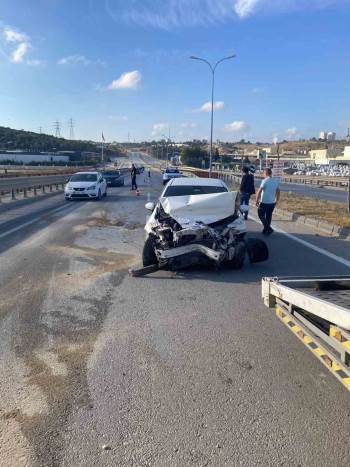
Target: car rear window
column 187, row 190
column 172, row 171
column 111, row 174
column 83, row 178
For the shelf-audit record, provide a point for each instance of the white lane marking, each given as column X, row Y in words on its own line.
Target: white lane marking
column 330, row 255
column 26, row 224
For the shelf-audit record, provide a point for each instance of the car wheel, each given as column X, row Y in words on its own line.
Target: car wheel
column 149, row 257
column 257, row 250
column 237, row 261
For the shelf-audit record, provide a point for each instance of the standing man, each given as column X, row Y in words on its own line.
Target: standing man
column 133, row 177
column 267, row 197
column 247, row 189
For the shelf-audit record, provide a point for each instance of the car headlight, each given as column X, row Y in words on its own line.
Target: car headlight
column 93, row 187
column 68, row 188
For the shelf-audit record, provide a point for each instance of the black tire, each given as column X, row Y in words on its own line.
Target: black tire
column 257, row 250
column 149, row 257
column 237, row 262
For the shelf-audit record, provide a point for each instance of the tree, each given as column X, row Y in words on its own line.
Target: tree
column 216, row 155
column 193, row 156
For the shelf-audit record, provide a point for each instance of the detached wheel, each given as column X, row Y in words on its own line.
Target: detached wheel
column 257, row 250
column 237, row 262
column 149, row 257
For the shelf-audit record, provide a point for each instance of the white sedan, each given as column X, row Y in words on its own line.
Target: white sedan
column 86, row 185
column 170, row 173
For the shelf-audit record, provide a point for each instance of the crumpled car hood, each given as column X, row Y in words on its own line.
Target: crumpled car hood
column 207, row 209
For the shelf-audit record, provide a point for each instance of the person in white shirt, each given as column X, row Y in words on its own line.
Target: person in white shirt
column 267, row 197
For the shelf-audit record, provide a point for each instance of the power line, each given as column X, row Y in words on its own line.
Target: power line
column 57, row 129
column 71, row 129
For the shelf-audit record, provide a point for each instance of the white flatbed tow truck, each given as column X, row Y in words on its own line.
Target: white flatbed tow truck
column 317, row 311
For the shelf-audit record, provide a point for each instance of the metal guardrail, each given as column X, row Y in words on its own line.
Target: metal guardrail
column 14, row 186
column 9, row 171
column 340, row 182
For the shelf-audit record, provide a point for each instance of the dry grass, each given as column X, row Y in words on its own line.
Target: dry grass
column 335, row 213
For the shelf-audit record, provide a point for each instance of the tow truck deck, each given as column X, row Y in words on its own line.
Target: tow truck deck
column 317, row 311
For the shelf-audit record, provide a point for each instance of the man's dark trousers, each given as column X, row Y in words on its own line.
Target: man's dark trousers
column 265, row 214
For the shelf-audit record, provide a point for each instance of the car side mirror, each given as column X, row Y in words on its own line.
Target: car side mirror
column 67, row 180
column 150, row 206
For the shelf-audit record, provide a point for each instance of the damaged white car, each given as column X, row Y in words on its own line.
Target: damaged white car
column 197, row 222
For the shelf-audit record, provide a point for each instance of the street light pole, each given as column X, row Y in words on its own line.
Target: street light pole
column 213, row 69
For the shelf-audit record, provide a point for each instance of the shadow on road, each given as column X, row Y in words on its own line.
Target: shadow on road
column 287, row 258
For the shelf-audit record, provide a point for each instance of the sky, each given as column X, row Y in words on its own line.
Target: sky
column 122, row 67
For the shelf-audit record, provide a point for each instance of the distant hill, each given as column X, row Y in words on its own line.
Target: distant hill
column 38, row 142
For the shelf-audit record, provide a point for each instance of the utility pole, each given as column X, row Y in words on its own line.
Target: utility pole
column 40, row 129
column 102, row 147
column 213, row 70
column 71, row 129
column 57, row 128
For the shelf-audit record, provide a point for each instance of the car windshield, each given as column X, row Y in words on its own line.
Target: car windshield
column 172, row 171
column 84, row 178
column 188, row 190
column 111, row 174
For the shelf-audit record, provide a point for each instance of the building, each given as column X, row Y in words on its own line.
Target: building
column 319, row 156
column 344, row 158
column 330, row 156
column 327, row 135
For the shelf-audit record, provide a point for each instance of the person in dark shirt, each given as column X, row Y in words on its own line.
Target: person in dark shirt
column 133, row 177
column 247, row 189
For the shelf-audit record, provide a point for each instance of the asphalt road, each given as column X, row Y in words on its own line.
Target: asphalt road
column 187, row 369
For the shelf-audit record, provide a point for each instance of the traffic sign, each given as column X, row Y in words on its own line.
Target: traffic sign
column 277, row 170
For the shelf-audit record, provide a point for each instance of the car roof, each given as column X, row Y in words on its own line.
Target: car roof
column 86, row 173
column 196, row 181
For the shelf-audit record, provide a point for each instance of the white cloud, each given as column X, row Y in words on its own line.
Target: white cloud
column 256, row 90
column 119, row 118
column 169, row 14
column 207, row 106
column 128, row 80
column 237, row 127
column 245, row 8
column 291, row 132
column 18, row 55
column 188, row 125
column 159, row 128
column 78, row 60
column 12, row 35
column 17, row 44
